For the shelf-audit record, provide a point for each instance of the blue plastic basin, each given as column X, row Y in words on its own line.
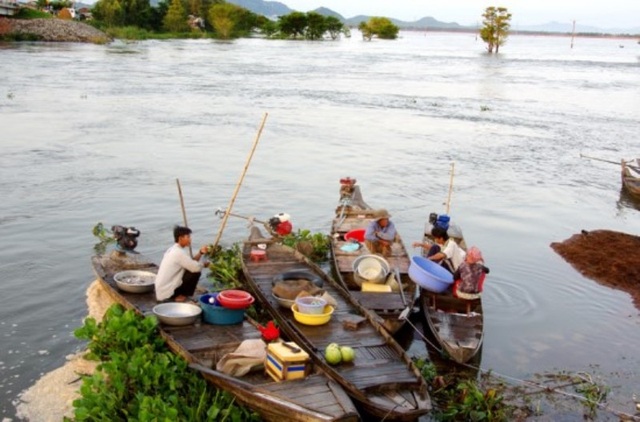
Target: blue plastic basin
column 219, row 315
column 429, row 275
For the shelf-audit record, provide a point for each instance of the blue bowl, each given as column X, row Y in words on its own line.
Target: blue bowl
column 429, row 275
column 217, row 314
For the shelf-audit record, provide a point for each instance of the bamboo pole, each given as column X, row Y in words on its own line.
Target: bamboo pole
column 237, row 189
column 184, row 212
column 599, row 159
column 450, row 188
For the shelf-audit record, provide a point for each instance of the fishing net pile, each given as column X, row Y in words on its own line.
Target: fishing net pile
column 611, row 258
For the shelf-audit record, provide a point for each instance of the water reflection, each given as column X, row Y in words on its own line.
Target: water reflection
column 626, row 201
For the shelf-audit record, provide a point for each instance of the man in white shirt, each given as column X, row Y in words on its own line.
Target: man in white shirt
column 178, row 274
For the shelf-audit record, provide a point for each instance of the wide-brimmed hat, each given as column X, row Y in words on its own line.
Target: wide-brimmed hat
column 380, row 214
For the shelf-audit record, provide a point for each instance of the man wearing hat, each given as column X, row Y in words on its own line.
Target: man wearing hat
column 380, row 233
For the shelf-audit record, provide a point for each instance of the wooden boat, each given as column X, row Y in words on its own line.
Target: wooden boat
column 314, row 398
column 631, row 177
column 382, row 380
column 457, row 324
column 353, row 213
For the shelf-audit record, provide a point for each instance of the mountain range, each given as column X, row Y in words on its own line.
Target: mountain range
column 274, row 9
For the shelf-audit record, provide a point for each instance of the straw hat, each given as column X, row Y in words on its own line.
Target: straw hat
column 380, row 214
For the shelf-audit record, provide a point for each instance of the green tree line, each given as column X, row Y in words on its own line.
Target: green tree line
column 215, row 18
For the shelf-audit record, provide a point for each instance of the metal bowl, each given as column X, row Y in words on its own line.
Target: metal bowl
column 177, row 313
column 285, row 303
column 135, row 281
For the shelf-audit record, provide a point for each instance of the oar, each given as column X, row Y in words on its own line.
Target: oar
column 450, row 188
column 244, row 172
column 184, row 213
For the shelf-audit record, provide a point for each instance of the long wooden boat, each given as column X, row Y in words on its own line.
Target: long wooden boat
column 383, row 381
column 354, row 213
column 314, row 398
column 631, row 177
column 457, row 324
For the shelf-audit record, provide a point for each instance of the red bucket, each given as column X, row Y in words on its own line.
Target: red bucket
column 357, row 234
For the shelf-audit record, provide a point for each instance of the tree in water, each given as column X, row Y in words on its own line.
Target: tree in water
column 381, row 27
column 496, row 21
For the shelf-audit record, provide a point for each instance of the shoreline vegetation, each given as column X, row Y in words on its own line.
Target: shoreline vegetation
column 63, row 30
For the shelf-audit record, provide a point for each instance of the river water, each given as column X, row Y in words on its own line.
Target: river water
column 95, row 133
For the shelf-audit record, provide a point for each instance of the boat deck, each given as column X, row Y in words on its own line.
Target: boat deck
column 379, row 368
column 316, row 397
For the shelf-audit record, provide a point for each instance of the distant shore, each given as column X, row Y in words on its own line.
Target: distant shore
column 534, row 33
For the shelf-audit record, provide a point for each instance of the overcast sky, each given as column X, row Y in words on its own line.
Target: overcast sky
column 604, row 14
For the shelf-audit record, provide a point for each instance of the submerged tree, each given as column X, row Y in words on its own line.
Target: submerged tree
column 381, row 27
column 496, row 23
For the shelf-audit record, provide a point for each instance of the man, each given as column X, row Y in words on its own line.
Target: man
column 380, row 234
column 178, row 274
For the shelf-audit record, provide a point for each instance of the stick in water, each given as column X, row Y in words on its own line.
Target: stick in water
column 184, row 213
column 235, row 193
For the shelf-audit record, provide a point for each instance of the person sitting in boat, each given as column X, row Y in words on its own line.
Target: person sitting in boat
column 380, row 233
column 178, row 274
column 470, row 275
column 445, row 251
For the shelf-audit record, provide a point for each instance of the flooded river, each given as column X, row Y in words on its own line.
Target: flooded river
column 100, row 133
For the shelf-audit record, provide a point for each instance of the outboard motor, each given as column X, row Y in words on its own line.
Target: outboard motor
column 281, row 224
column 126, row 237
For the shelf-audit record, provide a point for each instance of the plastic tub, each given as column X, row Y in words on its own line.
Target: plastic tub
column 311, row 305
column 371, row 268
column 235, row 299
column 312, row 319
column 429, row 275
column 357, row 234
column 219, row 315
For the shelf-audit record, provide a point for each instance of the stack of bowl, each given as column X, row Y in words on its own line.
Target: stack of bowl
column 311, row 310
column 226, row 307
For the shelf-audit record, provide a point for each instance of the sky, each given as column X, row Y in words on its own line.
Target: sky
column 603, row 14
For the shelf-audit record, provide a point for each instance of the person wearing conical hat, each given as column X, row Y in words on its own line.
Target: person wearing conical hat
column 380, row 233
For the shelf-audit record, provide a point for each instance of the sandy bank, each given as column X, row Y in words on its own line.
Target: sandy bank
column 51, row 397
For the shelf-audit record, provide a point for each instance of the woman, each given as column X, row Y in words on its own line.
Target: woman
column 470, row 275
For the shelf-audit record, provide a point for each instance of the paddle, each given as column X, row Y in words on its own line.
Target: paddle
column 244, row 172
column 184, row 213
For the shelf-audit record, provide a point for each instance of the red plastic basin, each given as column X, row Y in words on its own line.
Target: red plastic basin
column 357, row 234
column 235, row 299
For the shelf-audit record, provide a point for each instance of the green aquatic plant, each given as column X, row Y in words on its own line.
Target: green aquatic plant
column 139, row 379
column 225, row 266
column 313, row 245
column 104, row 236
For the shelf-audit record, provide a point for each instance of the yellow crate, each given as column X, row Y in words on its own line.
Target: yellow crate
column 372, row 287
column 283, row 364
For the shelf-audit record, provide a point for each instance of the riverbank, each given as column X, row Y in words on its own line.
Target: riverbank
column 52, row 30
column 51, row 397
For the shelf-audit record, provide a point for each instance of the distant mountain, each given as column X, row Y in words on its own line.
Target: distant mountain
column 261, row 7
column 274, row 9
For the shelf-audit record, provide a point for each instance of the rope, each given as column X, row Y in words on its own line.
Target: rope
column 490, row 372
